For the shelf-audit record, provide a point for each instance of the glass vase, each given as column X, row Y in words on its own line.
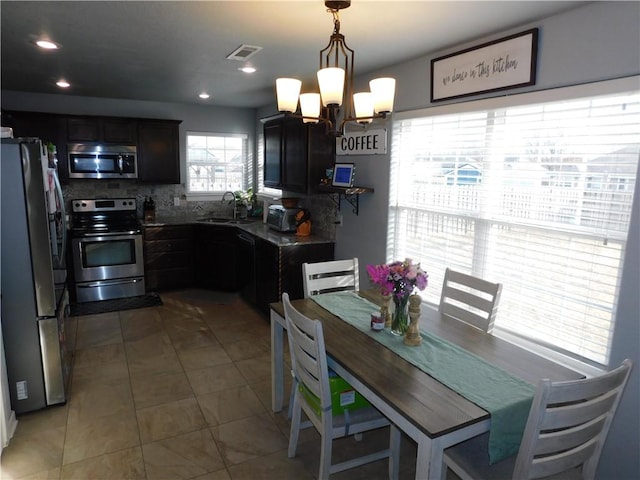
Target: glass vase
column 400, row 318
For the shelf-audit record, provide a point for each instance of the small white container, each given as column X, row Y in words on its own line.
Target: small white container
column 6, row 132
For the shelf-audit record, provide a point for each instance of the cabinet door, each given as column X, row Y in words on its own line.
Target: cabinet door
column 267, row 274
column 119, row 130
column 217, row 258
column 48, row 127
column 273, row 154
column 294, row 164
column 158, row 159
column 83, row 129
column 168, row 257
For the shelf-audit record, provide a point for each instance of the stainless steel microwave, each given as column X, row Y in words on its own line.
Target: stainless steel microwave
column 102, row 161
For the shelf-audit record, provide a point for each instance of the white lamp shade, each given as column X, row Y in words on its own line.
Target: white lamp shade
column 331, row 82
column 310, row 107
column 363, row 103
column 287, row 91
column 383, row 91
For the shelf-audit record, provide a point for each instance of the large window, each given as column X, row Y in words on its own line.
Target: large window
column 217, row 163
column 533, row 191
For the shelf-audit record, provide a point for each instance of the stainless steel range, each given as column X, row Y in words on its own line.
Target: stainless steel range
column 106, row 241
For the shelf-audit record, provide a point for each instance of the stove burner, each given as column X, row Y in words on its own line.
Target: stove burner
column 104, row 216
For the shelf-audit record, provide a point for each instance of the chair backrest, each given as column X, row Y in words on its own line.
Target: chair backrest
column 470, row 299
column 333, row 276
column 308, row 355
column 568, row 424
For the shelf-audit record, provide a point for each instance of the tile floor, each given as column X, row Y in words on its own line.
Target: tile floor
column 180, row 391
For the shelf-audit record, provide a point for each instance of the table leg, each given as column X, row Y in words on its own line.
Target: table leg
column 423, row 458
column 277, row 362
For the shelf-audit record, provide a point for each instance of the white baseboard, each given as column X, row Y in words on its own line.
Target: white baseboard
column 12, row 424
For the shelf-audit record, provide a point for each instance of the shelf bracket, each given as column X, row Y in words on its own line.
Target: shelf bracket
column 354, row 200
column 350, row 194
column 335, row 198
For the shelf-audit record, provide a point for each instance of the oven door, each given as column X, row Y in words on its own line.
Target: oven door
column 108, row 266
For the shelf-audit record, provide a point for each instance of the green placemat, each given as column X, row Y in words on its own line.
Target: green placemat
column 506, row 397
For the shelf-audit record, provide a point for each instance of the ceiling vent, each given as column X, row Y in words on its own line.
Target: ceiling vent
column 244, row 52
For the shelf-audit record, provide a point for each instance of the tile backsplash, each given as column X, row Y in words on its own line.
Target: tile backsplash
column 321, row 206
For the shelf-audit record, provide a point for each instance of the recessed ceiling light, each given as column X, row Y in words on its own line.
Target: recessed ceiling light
column 63, row 84
column 247, row 69
column 204, row 95
column 47, row 45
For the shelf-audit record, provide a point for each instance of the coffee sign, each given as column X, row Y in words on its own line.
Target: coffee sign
column 367, row 142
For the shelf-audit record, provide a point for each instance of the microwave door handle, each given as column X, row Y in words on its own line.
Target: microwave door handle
column 120, row 164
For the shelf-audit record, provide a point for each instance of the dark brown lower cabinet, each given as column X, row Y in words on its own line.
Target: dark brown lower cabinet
column 216, row 258
column 279, row 269
column 213, row 257
column 168, row 257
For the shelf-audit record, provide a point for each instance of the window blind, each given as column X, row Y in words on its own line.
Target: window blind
column 536, row 196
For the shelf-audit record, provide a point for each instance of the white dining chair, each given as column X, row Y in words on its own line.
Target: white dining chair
column 563, row 438
column 310, row 370
column 327, row 277
column 470, row 299
column 332, row 276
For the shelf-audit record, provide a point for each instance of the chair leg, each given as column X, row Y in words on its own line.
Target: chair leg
column 325, row 456
column 394, row 446
column 294, row 387
column 295, row 426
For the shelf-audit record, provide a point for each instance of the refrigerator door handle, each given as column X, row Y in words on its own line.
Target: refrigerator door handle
column 63, row 219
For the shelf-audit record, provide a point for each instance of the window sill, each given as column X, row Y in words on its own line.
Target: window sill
column 556, row 357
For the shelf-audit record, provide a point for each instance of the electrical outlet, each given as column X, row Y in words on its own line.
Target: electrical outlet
column 176, row 201
column 21, row 390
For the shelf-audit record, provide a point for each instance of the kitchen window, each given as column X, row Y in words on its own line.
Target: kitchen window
column 217, row 163
column 533, row 191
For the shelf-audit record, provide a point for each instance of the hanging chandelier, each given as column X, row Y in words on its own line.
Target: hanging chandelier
column 335, row 79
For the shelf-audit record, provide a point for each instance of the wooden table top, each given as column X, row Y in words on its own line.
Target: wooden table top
column 428, row 404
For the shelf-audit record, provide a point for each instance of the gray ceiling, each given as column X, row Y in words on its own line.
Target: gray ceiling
column 171, row 51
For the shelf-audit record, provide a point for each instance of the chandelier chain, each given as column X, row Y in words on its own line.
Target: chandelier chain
column 336, row 19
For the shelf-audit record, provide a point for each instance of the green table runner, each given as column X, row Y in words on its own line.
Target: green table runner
column 507, row 398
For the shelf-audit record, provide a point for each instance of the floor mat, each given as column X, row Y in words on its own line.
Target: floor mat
column 104, row 306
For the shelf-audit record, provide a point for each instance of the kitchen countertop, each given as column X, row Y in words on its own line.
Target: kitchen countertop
column 254, row 227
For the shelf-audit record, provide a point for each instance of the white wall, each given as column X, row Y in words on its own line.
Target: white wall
column 595, row 42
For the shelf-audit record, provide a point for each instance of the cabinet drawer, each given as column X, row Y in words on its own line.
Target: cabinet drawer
column 168, row 232
column 163, row 260
column 170, row 245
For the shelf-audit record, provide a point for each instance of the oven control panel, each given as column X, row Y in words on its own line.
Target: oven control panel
column 104, row 205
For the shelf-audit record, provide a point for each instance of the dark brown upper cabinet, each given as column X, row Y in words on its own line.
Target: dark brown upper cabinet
column 102, row 130
column 158, row 154
column 296, row 154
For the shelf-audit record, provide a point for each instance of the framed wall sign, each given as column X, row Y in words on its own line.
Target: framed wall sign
column 506, row 63
column 343, row 174
column 366, row 142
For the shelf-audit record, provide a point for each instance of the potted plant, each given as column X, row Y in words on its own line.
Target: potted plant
column 243, row 200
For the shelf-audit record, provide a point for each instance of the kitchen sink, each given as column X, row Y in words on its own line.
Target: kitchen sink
column 225, row 220
column 239, row 221
column 215, row 220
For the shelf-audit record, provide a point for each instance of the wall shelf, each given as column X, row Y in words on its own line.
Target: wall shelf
column 350, row 194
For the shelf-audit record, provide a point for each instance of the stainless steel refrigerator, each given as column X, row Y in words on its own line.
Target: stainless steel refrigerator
column 35, row 305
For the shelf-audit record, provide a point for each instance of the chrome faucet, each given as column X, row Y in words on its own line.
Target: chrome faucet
column 231, row 202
